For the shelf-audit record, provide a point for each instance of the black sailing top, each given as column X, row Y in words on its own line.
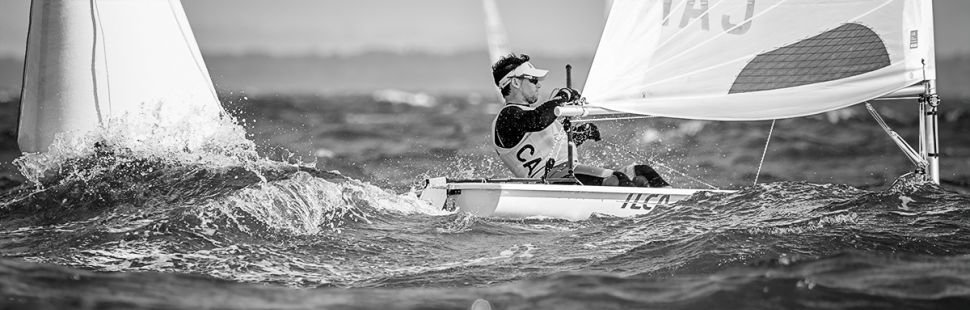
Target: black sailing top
column 513, row 122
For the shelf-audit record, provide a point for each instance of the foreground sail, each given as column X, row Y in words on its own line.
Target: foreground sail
column 93, row 63
column 758, row 59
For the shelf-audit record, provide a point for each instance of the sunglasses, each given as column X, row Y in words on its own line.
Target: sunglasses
column 532, row 79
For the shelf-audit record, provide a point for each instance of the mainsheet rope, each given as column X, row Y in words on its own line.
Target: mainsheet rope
column 657, row 163
column 683, row 174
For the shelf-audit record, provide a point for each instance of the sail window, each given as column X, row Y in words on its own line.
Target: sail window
column 849, row 50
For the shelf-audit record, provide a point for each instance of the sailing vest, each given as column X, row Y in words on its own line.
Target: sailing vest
column 527, row 159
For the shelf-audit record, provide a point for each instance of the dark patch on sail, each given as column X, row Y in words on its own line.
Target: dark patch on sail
column 848, row 50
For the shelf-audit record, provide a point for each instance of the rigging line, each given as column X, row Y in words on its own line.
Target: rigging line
column 760, row 164
column 96, row 23
column 659, row 164
column 682, row 174
column 192, row 48
column 671, row 169
column 104, row 50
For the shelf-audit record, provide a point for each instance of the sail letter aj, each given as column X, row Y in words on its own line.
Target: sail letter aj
column 701, row 11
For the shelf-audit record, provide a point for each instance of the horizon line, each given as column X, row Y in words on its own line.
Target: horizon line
column 343, row 54
column 407, row 52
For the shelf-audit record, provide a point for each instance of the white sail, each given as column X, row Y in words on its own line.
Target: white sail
column 758, row 59
column 93, row 62
column 498, row 43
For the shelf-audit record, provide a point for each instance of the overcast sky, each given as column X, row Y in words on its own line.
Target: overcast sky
column 287, row 27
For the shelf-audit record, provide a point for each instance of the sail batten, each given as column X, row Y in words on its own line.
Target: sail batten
column 757, row 59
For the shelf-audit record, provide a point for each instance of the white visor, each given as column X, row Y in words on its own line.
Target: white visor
column 525, row 69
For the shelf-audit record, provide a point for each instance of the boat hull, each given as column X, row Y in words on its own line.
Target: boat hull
column 571, row 202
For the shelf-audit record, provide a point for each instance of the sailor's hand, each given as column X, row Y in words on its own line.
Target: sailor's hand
column 560, row 95
column 592, row 131
column 585, row 132
column 567, row 94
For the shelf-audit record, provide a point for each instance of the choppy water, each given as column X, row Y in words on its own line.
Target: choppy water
column 193, row 236
column 215, row 226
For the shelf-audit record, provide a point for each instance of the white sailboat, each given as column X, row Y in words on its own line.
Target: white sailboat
column 498, row 42
column 729, row 60
column 101, row 63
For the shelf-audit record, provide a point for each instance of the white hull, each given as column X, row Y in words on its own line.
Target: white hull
column 571, row 202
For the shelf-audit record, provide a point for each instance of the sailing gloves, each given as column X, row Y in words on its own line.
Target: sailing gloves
column 582, row 132
column 585, row 131
column 566, row 95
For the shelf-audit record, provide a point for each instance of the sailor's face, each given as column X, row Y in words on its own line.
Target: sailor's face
column 530, row 88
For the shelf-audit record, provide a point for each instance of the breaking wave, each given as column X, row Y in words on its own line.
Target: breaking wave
column 193, row 209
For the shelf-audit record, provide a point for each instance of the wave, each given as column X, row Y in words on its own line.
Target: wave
column 231, row 223
column 189, row 197
column 846, row 280
column 214, row 207
column 709, row 232
column 206, row 139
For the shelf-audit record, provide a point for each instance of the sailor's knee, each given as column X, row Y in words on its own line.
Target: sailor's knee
column 622, row 179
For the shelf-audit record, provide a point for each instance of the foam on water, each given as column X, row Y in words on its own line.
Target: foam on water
column 189, row 195
column 305, row 229
column 210, row 140
column 306, row 205
column 195, row 199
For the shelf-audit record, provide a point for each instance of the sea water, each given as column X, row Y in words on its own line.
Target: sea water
column 215, row 225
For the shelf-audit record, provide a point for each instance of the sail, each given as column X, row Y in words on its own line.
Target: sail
column 498, row 43
column 757, row 59
column 91, row 63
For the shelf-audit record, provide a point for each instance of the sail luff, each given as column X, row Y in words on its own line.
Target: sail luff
column 610, row 62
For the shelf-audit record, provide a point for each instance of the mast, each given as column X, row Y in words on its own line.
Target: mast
column 929, row 104
column 567, row 124
column 930, row 101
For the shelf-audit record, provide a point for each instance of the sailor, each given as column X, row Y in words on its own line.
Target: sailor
column 527, row 135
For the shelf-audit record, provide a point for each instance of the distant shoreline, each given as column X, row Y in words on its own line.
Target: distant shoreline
column 436, row 74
